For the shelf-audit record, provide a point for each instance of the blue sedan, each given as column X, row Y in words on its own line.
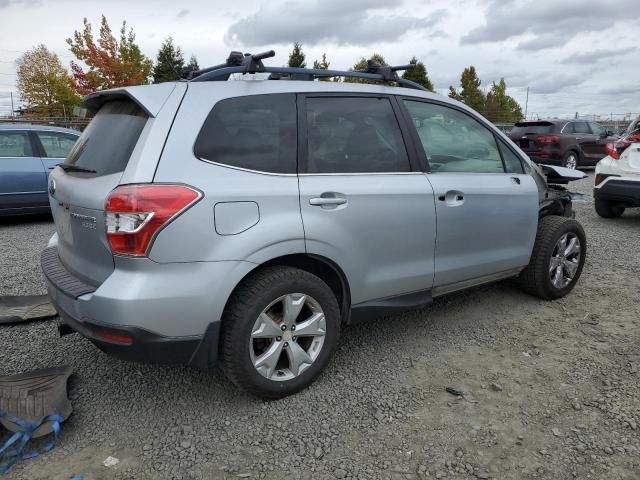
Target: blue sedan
column 27, row 154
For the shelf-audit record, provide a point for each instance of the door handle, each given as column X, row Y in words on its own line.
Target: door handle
column 320, row 201
column 452, row 198
column 515, row 180
column 578, row 138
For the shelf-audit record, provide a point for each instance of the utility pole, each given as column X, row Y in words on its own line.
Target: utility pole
column 526, row 104
column 11, row 93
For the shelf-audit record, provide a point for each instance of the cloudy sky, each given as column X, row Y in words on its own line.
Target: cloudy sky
column 574, row 55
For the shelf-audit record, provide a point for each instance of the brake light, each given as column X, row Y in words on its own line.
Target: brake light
column 135, row 214
column 615, row 149
column 548, row 139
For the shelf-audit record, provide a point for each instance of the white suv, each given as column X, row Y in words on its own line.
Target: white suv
column 617, row 180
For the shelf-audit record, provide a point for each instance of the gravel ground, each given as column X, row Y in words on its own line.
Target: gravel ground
column 551, row 388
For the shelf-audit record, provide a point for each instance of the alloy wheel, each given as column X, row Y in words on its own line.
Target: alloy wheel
column 287, row 337
column 565, row 260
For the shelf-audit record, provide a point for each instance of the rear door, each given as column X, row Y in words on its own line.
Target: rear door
column 23, row 183
column 586, row 140
column 77, row 198
column 486, row 205
column 364, row 204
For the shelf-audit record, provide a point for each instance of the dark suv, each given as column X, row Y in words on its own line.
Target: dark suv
column 569, row 143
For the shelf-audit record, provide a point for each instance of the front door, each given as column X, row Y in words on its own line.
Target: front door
column 363, row 204
column 486, row 205
column 23, row 182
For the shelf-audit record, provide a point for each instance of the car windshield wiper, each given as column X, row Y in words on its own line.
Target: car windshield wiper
column 67, row 167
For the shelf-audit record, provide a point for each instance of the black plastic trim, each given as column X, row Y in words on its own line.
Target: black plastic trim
column 390, row 305
column 619, row 191
column 60, row 277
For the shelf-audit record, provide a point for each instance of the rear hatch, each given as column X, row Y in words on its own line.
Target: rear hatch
column 524, row 134
column 77, row 196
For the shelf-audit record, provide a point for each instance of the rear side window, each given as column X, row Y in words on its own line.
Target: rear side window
column 568, row 128
column 353, row 135
column 15, row 144
column 56, row 145
column 256, row 132
column 581, row 127
column 537, row 128
column 106, row 144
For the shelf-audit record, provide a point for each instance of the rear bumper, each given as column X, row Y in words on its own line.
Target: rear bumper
column 625, row 192
column 145, row 311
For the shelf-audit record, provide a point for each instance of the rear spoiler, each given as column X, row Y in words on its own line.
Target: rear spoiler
column 561, row 175
column 150, row 98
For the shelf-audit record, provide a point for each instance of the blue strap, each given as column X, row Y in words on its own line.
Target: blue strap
column 12, row 448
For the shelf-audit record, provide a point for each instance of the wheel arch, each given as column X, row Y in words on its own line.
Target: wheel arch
column 322, row 267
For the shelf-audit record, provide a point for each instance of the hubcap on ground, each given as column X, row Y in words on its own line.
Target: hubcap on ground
column 287, row 336
column 571, row 162
column 565, row 260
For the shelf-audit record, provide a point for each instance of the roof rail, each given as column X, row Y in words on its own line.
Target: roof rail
column 237, row 62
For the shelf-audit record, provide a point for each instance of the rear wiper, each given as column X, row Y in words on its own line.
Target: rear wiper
column 67, row 167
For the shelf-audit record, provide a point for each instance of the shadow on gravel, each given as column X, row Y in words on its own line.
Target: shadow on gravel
column 25, row 219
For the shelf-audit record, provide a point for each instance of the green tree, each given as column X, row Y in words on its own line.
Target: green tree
column 297, row 57
column 361, row 66
column 418, row 74
column 500, row 107
column 193, row 64
column 110, row 62
column 322, row 65
column 470, row 92
column 44, row 84
column 169, row 62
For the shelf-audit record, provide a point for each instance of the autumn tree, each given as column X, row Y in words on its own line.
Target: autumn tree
column 500, row 107
column 418, row 74
column 169, row 62
column 470, row 92
column 297, row 57
column 110, row 62
column 44, row 84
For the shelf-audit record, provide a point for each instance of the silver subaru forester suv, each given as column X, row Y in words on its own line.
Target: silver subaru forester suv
column 245, row 222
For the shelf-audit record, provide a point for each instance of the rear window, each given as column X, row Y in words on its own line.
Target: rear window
column 536, row 128
column 257, row 132
column 106, row 144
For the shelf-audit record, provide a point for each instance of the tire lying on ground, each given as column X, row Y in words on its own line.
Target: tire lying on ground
column 557, row 260
column 279, row 330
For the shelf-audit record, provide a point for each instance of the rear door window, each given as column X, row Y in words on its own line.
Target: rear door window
column 256, row 132
column 55, row 144
column 15, row 144
column 108, row 141
column 581, row 127
column 354, row 135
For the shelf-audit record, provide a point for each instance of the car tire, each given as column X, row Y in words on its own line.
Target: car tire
column 271, row 366
column 608, row 210
column 571, row 160
column 551, row 272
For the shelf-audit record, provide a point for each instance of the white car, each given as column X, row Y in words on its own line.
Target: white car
column 617, row 180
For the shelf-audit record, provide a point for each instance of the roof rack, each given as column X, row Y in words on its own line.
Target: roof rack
column 237, row 62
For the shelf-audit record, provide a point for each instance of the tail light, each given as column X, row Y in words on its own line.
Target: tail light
column 135, row 214
column 600, row 177
column 615, row 149
column 548, row 139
